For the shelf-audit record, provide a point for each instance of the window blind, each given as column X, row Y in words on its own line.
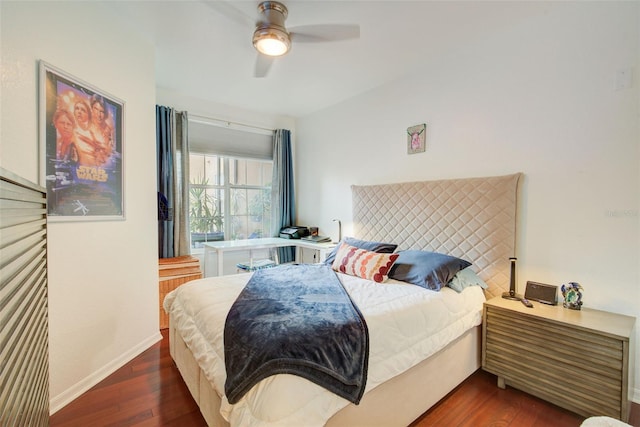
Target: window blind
column 209, row 138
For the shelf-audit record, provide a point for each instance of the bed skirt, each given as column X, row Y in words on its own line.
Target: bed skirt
column 397, row 402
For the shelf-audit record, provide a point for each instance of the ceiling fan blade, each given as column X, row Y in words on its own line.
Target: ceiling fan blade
column 226, row 9
column 324, row 33
column 263, row 64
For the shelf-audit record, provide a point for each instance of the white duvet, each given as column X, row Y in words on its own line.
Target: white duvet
column 407, row 324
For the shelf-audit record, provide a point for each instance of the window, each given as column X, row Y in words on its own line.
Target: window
column 229, row 198
column 230, row 180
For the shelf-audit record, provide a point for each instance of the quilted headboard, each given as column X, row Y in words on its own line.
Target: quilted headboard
column 471, row 218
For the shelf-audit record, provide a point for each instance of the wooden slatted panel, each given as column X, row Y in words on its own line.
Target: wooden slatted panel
column 24, row 361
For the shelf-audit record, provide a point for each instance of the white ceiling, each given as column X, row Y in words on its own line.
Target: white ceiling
column 204, row 49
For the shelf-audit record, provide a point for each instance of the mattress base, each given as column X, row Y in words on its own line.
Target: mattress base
column 396, row 402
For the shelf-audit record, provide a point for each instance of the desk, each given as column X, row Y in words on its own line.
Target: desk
column 265, row 243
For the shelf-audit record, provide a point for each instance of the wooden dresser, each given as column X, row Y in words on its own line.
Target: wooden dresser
column 576, row 359
column 172, row 273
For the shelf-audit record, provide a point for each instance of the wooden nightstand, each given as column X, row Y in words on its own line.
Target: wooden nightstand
column 576, row 359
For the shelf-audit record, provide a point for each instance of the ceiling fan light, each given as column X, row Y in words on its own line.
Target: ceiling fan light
column 271, row 41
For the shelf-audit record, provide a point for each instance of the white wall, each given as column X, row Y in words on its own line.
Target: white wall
column 539, row 99
column 103, row 285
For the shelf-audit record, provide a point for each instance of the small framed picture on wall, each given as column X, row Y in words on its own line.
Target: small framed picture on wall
column 416, row 138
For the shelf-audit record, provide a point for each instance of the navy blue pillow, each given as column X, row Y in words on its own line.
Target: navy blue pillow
column 379, row 247
column 431, row 270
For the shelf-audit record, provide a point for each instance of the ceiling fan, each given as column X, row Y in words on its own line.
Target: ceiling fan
column 272, row 39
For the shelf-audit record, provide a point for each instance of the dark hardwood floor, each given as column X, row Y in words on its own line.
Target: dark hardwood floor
column 149, row 391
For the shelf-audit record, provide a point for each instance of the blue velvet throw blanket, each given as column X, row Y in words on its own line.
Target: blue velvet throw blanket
column 296, row 319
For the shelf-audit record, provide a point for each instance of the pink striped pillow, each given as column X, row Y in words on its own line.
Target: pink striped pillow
column 362, row 263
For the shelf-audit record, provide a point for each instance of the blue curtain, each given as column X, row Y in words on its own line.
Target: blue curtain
column 283, row 195
column 172, row 150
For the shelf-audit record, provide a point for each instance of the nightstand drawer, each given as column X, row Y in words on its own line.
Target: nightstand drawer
column 564, row 346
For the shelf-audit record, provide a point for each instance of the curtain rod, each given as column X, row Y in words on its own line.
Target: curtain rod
column 226, row 123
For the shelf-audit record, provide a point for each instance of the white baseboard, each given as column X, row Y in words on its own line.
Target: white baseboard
column 63, row 399
column 636, row 396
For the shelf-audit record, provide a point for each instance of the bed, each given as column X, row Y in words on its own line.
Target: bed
column 472, row 219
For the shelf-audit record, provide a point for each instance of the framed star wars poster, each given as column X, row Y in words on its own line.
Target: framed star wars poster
column 81, row 148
